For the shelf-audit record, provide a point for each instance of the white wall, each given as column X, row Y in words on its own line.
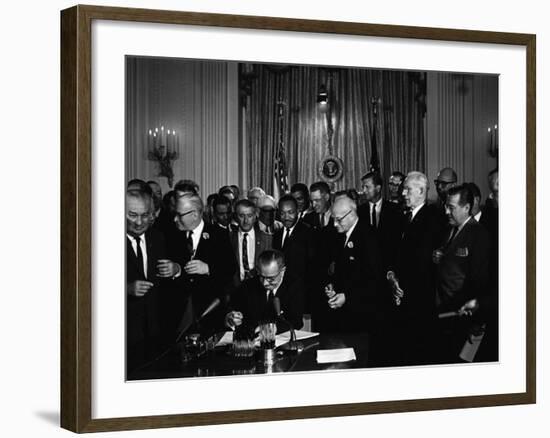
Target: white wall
column 29, row 319
column 460, row 108
column 197, row 99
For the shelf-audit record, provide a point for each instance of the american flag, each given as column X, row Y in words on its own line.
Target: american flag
column 374, row 159
column 280, row 173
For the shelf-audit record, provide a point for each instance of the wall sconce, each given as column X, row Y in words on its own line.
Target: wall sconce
column 322, row 98
column 163, row 147
column 493, row 141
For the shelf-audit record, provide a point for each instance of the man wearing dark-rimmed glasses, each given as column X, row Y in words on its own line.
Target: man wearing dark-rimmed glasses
column 353, row 295
column 204, row 253
column 254, row 301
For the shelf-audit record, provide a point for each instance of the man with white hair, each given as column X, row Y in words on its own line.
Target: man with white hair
column 412, row 279
column 267, row 208
column 204, row 253
column 148, row 270
column 353, row 293
column 254, row 194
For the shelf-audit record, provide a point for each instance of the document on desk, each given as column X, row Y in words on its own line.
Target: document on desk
column 283, row 338
column 335, row 355
column 227, row 339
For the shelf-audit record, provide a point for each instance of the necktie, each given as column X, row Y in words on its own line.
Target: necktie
column 246, row 266
column 409, row 216
column 373, row 216
column 322, row 220
column 285, row 237
column 141, row 268
column 453, row 234
column 189, row 244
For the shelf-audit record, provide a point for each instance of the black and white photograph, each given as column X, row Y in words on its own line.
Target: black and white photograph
column 285, row 218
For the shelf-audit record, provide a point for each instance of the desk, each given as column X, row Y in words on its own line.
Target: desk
column 220, row 362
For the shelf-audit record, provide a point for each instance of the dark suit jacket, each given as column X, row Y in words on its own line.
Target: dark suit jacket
column 414, row 266
column 164, row 221
column 357, row 274
column 251, row 299
column 298, row 249
column 263, row 242
column 213, row 249
column 312, row 219
column 463, row 272
column 388, row 230
column 322, row 266
column 143, row 313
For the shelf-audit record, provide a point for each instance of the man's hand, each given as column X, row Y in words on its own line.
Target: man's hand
column 167, row 268
column 469, row 308
column 196, row 267
column 437, row 255
column 398, row 293
column 233, row 319
column 329, row 290
column 139, row 288
column 337, row 301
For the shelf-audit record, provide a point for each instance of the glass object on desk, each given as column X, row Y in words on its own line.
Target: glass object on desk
column 243, row 342
column 190, row 347
column 267, row 335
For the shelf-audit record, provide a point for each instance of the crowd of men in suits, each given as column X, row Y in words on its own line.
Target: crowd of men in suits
column 421, row 278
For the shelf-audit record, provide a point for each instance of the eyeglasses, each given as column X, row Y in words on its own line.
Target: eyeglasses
column 340, row 219
column 182, row 215
column 441, row 183
column 272, row 278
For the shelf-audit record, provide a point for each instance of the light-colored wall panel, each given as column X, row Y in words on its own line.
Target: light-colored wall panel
column 460, row 108
column 199, row 99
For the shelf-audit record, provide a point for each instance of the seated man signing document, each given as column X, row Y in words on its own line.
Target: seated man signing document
column 254, row 301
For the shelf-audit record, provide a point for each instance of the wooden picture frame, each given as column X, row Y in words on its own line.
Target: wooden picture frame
column 76, row 218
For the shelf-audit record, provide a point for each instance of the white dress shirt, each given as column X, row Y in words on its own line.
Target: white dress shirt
column 416, row 210
column 378, row 208
column 250, row 250
column 197, row 234
column 287, row 235
column 143, row 246
column 348, row 233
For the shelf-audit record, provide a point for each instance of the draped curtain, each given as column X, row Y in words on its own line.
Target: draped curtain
column 399, row 126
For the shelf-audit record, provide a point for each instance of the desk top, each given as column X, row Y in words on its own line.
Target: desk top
column 220, row 361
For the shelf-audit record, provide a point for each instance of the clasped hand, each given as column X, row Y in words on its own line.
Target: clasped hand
column 397, row 292
column 469, row 308
column 233, row 319
column 167, row 268
column 335, row 300
column 196, row 267
column 139, row 288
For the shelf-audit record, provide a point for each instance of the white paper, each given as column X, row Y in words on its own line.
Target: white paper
column 335, row 355
column 283, row 338
column 226, row 339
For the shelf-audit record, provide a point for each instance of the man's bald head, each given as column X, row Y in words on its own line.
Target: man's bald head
column 189, row 210
column 344, row 213
column 139, row 212
column 446, row 179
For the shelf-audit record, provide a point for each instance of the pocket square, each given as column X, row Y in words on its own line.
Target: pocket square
column 462, row 252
